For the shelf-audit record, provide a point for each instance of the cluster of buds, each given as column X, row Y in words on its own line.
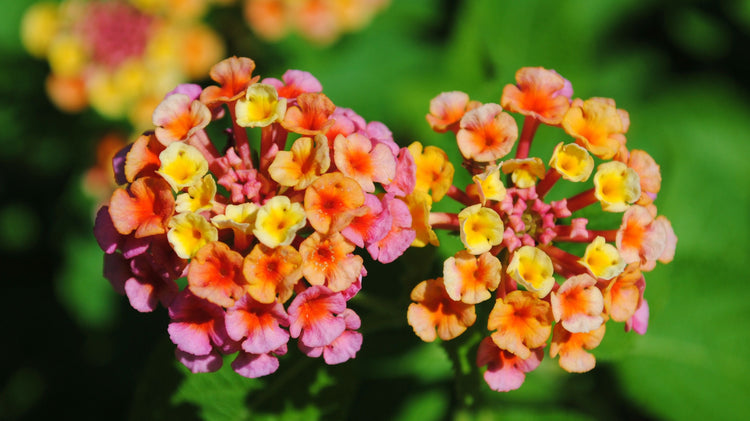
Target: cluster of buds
column 264, row 231
column 319, row 21
column 119, row 57
column 515, row 239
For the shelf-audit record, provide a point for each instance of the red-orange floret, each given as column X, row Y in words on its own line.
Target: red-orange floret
column 332, row 201
column 146, row 207
column 433, row 314
column 233, row 75
column 311, row 116
column 215, row 273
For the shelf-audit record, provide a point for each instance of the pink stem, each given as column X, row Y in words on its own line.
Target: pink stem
column 443, row 220
column 530, row 125
column 581, row 200
column 460, row 196
column 201, row 141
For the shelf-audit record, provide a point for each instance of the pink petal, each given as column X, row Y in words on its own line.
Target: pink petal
column 255, row 365
column 345, row 347
column 199, row 363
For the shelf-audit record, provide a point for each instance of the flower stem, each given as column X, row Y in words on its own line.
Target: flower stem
column 530, row 125
column 549, row 180
column 566, row 264
column 443, row 220
column 581, row 200
column 241, row 142
column 459, row 196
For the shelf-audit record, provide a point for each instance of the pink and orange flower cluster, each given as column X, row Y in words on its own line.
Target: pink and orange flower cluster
column 319, row 21
column 119, row 57
column 514, row 237
column 263, row 225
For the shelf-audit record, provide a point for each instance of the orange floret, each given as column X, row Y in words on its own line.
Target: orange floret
column 143, row 157
column 537, row 94
column 268, row 18
column 469, row 278
column 233, row 75
column 146, row 207
column 310, row 116
column 302, row 164
column 215, row 273
column 434, row 315
column 271, row 273
column 486, row 134
column 332, row 201
column 356, row 157
column 178, row 117
column 578, row 304
column 572, row 348
column 521, row 321
column 447, row 109
column 597, row 125
column 327, row 260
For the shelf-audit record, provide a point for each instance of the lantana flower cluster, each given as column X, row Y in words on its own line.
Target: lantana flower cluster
column 319, row 21
column 119, row 57
column 250, row 238
column 516, row 252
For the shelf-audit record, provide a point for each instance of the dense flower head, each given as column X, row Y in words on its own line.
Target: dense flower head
column 119, row 57
column 269, row 239
column 523, row 249
column 320, row 21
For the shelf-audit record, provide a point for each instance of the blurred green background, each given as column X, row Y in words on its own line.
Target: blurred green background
column 73, row 349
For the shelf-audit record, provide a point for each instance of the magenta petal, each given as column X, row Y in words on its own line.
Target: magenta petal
column 116, row 271
column 192, row 90
column 406, row 175
column 255, row 365
column 322, row 333
column 190, row 338
column 639, row 321
column 104, row 231
column 343, row 348
column 199, row 363
column 142, row 296
column 312, row 352
column 264, row 340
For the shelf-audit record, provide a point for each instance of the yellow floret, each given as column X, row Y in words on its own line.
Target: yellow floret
column 182, row 165
column 188, row 232
column 532, row 268
column 278, row 221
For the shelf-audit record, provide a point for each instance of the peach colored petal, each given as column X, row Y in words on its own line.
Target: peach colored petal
column 578, row 304
column 521, row 321
column 145, row 207
column 537, row 94
column 311, row 116
column 233, row 75
column 572, row 348
column 486, row 133
column 272, row 273
column 332, row 201
column 434, row 315
column 215, row 274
